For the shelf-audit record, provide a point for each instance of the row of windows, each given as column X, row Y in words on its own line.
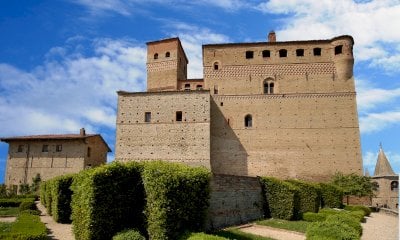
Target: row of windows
column 268, row 88
column 198, row 87
column 167, row 55
column 394, row 185
column 178, row 116
column 45, row 148
column 299, row 53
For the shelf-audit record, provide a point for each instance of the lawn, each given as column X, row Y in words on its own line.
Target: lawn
column 297, row 226
column 230, row 233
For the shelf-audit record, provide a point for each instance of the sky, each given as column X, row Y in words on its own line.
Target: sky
column 62, row 61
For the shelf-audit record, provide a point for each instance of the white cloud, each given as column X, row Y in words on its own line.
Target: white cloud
column 370, row 158
column 372, row 24
column 374, row 122
column 98, row 7
column 69, row 91
column 370, row 97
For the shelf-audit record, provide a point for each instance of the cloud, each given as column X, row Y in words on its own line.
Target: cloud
column 69, row 90
column 371, row 24
column 370, row 97
column 374, row 122
column 370, row 158
column 96, row 7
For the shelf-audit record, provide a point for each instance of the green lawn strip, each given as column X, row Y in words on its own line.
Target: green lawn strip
column 9, row 211
column 297, row 226
column 5, row 227
column 234, row 233
column 26, row 226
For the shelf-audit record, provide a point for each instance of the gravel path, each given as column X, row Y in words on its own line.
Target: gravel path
column 380, row 226
column 278, row 234
column 57, row 231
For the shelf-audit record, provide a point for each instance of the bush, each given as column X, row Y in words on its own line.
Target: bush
column 314, row 217
column 132, row 234
column 27, row 205
column 106, row 200
column 282, row 198
column 14, row 202
column 346, row 219
column 308, row 196
column 48, row 197
column 61, row 198
column 30, row 211
column 42, row 192
column 202, row 236
column 366, row 210
column 26, row 227
column 331, row 230
column 331, row 195
column 177, row 199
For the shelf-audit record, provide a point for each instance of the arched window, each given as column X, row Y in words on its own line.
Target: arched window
column 394, row 185
column 283, row 53
column 268, row 86
column 167, row 54
column 248, row 121
column 216, row 66
column 271, row 88
column 156, row 56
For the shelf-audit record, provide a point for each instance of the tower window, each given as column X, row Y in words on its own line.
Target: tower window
column 179, row 116
column 89, row 151
column 317, row 51
column 338, row 49
column 394, row 185
column 249, row 54
column 187, row 86
column 199, row 87
column 299, row 52
column 268, row 87
column 156, row 56
column 283, row 53
column 45, row 148
column 147, row 117
column 266, row 54
column 58, row 148
column 216, row 66
column 167, row 54
column 248, row 121
column 215, row 89
column 20, row 148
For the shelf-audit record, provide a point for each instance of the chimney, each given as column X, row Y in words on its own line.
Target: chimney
column 271, row 36
column 82, row 132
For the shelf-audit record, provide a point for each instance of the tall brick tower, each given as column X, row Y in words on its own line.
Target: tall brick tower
column 166, row 64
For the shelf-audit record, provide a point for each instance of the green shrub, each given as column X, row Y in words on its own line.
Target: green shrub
column 330, row 211
column 201, row 236
column 26, row 227
column 131, row 234
column 314, row 217
column 48, row 197
column 42, row 192
column 14, row 202
column 282, row 198
column 177, row 199
column 308, row 196
column 61, row 198
column 346, row 219
column 366, row 210
column 106, row 200
column 30, row 211
column 331, row 195
column 331, row 230
column 27, row 205
column 359, row 215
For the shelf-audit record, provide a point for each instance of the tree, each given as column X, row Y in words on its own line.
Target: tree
column 353, row 184
column 35, row 184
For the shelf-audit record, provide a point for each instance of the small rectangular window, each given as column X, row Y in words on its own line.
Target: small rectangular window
column 249, row 54
column 187, row 86
column 317, row 51
column 299, row 52
column 20, row 148
column 215, row 89
column 45, row 148
column 266, row 54
column 338, row 49
column 147, row 117
column 89, row 151
column 59, row 148
column 199, row 87
column 179, row 116
column 283, row 53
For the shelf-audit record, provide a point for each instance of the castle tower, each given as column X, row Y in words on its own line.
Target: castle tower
column 382, row 167
column 166, row 64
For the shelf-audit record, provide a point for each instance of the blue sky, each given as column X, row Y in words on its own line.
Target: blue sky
column 61, row 62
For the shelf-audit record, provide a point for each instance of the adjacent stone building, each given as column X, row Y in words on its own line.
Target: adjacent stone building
column 386, row 182
column 283, row 109
column 52, row 155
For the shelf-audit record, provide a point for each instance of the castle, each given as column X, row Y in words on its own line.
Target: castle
column 283, row 109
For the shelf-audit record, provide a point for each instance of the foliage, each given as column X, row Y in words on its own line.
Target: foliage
column 177, row 198
column 9, row 211
column 233, row 233
column 27, row 205
column 14, row 202
column 61, row 198
column 353, row 184
column 309, row 196
column 297, row 226
column 48, row 197
column 201, row 236
column 282, row 198
column 131, row 234
column 26, row 227
column 23, row 188
column 331, row 230
column 106, row 200
column 346, row 219
column 314, row 217
column 331, row 195
column 32, row 212
column 34, row 188
column 42, row 193
column 366, row 210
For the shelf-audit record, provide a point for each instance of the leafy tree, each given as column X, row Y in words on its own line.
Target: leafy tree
column 34, row 188
column 353, row 184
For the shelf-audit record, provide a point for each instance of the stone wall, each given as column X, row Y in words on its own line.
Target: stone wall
column 234, row 200
column 385, row 196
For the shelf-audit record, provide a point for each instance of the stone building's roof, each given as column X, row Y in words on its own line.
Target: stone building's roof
column 53, row 137
column 383, row 167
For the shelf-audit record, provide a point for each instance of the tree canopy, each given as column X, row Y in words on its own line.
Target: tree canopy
column 353, row 184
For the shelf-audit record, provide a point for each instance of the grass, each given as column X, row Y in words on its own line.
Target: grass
column 26, row 226
column 9, row 211
column 232, row 233
column 297, row 226
column 5, row 227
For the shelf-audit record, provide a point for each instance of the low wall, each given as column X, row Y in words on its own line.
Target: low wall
column 354, row 200
column 234, row 200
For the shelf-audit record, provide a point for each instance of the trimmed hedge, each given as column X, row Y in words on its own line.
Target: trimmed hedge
column 131, row 234
column 308, row 196
column 27, row 205
column 346, row 219
column 331, row 230
column 177, row 199
column 282, row 198
column 106, row 200
column 61, row 198
column 367, row 211
column 314, row 217
column 42, row 193
column 331, row 195
column 14, row 202
column 26, row 227
column 48, row 196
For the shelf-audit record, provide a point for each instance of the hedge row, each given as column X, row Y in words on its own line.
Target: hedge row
column 15, row 202
column 309, row 196
column 106, row 200
column 177, row 199
column 61, row 198
column 282, row 198
column 367, row 211
column 331, row 196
